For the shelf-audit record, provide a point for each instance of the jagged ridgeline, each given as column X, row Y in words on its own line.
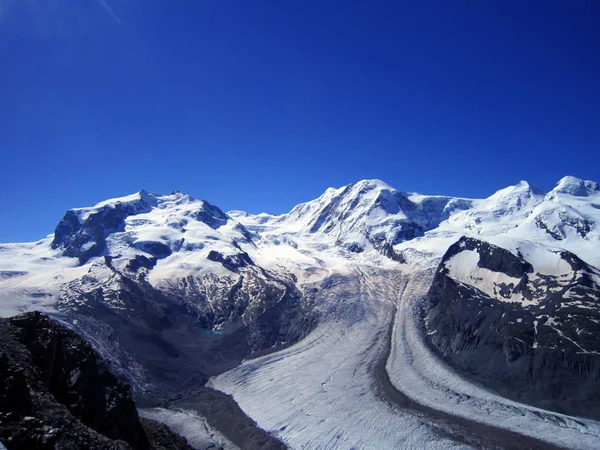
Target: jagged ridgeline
column 171, row 290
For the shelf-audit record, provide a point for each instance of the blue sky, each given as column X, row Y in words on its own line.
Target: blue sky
column 259, row 105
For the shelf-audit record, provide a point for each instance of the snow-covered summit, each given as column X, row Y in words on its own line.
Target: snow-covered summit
column 575, row 186
column 500, row 212
column 513, row 198
column 369, row 213
column 138, row 201
column 150, row 223
column 367, row 222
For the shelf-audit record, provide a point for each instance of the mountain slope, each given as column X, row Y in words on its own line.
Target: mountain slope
column 531, row 336
column 160, row 285
column 172, row 291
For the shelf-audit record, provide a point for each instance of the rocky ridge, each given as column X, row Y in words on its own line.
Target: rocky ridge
column 58, row 393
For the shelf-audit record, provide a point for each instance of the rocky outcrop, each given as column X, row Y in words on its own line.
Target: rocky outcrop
column 491, row 257
column 58, row 393
column 84, row 237
column 231, row 262
column 534, row 340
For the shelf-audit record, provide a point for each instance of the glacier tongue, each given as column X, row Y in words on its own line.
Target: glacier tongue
column 415, row 370
column 325, row 392
column 320, row 393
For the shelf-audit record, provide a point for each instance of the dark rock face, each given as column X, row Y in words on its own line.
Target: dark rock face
column 394, row 202
column 545, row 352
column 552, row 231
column 232, row 262
column 140, row 262
column 84, row 239
column 492, row 257
column 72, row 237
column 210, row 215
column 406, row 230
column 158, row 250
column 14, row 392
column 57, row 392
column 74, row 374
column 388, row 250
column 354, row 247
column 162, row 438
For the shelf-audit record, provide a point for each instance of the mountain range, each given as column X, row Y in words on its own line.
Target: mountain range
column 475, row 322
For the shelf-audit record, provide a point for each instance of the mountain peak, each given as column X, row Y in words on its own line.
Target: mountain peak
column 143, row 195
column 575, row 186
column 515, row 197
column 148, row 197
column 526, row 186
column 372, row 184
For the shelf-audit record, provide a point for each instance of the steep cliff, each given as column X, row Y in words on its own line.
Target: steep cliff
column 58, row 393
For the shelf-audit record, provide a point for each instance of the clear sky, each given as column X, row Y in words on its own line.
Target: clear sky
column 260, row 105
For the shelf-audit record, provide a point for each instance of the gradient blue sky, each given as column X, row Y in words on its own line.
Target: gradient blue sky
column 259, row 105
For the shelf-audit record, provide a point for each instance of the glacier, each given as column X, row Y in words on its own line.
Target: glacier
column 348, row 365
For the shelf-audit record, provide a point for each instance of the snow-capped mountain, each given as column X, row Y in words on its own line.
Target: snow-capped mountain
column 149, row 227
column 151, row 279
column 172, row 290
column 365, row 216
column 369, row 213
column 528, row 331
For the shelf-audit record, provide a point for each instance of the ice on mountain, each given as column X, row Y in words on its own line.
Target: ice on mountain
column 368, row 232
column 575, row 186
